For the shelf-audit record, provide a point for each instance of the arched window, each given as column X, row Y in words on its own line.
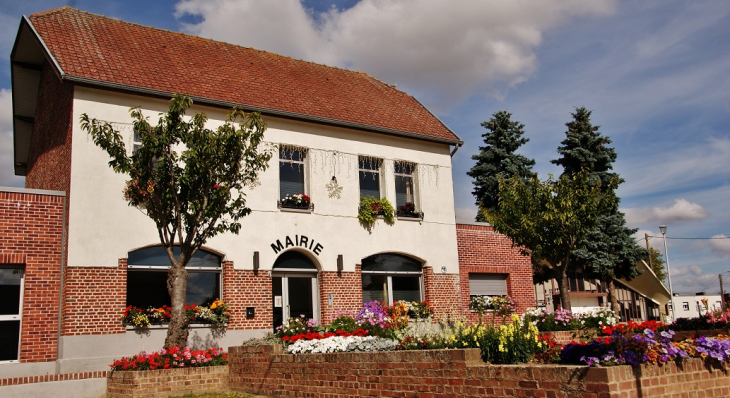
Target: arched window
column 391, row 277
column 147, row 270
column 294, row 260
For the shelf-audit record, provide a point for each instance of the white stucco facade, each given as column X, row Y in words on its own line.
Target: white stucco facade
column 103, row 228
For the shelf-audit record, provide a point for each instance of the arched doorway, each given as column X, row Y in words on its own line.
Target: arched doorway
column 294, row 287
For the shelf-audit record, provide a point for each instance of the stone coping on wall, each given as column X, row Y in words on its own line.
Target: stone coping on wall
column 268, row 371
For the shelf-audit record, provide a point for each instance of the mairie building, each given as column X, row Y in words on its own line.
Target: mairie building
column 74, row 254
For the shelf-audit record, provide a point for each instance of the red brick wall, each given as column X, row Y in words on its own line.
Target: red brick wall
column 31, row 228
column 243, row 288
column 49, row 157
column 482, row 250
column 168, row 382
column 346, row 289
column 266, row 371
column 442, row 291
column 94, row 299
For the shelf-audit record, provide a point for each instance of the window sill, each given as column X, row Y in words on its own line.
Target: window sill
column 410, row 218
column 165, row 327
column 295, row 210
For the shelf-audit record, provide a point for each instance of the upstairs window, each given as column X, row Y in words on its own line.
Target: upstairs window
column 405, row 193
column 136, row 142
column 369, row 169
column 292, row 171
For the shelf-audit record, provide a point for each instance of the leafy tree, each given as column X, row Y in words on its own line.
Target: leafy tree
column 189, row 180
column 550, row 219
column 498, row 159
column 609, row 251
column 657, row 264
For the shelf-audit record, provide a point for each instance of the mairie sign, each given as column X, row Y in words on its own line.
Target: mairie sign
column 300, row 241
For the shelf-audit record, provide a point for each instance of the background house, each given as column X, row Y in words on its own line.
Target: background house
column 641, row 299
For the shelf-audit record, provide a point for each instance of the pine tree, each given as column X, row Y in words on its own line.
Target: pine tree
column 609, row 251
column 498, row 159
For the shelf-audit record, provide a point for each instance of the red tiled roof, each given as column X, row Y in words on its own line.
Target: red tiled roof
column 108, row 50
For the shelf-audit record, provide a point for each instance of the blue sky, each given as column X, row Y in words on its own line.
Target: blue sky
column 653, row 72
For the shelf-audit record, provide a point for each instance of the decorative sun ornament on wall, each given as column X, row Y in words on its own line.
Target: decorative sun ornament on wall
column 334, row 189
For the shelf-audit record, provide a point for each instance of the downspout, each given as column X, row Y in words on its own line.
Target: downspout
column 60, row 286
column 456, row 148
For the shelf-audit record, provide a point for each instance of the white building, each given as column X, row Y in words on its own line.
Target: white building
column 340, row 135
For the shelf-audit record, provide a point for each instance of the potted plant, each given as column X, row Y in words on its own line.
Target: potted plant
column 408, row 209
column 371, row 207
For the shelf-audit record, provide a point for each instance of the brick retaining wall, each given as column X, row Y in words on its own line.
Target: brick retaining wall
column 168, row 382
column 446, row 373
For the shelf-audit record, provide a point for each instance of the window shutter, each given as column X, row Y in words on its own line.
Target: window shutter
column 488, row 284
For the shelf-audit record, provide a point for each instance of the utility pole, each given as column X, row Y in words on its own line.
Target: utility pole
column 646, row 237
column 722, row 294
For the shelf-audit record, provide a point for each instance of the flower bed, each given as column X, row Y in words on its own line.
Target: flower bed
column 174, row 371
column 563, row 320
column 408, row 326
column 172, row 358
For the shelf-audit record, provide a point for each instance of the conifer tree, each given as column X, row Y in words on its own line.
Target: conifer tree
column 609, row 251
column 498, row 159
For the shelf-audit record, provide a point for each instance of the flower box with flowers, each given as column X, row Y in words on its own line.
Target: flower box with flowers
column 408, row 210
column 298, row 201
column 216, row 314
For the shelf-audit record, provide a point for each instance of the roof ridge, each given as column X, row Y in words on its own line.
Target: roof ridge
column 194, row 37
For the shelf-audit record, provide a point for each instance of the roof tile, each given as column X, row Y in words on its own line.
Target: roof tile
column 95, row 47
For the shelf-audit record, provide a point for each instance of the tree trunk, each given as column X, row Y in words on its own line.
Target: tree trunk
column 613, row 298
column 564, row 287
column 177, row 332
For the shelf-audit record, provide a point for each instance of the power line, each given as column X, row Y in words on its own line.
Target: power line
column 717, row 237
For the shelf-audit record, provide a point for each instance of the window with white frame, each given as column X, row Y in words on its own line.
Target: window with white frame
column 685, row 306
column 390, row 277
column 405, row 188
column 487, row 285
column 369, row 171
column 292, row 171
column 11, row 312
column 147, row 270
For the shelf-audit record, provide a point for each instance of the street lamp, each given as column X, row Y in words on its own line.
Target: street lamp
column 663, row 229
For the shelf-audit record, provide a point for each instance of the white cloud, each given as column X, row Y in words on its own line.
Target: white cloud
column 693, row 279
column 681, row 210
column 7, row 172
column 720, row 244
column 440, row 52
